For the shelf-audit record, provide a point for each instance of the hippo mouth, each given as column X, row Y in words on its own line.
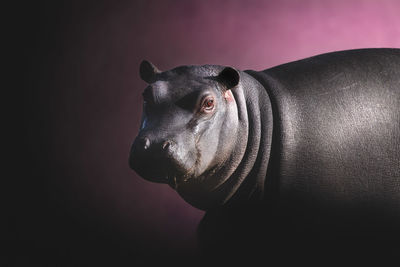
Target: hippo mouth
column 175, row 180
column 168, row 174
column 173, row 174
column 179, row 175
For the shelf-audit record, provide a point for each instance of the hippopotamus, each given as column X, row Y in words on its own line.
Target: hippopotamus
column 308, row 150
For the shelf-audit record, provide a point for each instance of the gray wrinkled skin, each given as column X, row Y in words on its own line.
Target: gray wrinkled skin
column 301, row 154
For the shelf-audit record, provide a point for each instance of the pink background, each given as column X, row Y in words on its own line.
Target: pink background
column 88, row 97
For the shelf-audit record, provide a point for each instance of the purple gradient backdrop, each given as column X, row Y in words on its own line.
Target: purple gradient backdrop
column 89, row 93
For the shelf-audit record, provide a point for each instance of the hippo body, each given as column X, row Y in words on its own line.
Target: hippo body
column 337, row 121
column 314, row 155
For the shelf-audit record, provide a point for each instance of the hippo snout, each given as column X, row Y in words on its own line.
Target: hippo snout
column 156, row 160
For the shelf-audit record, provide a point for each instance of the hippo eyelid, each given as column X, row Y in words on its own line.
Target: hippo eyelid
column 206, row 96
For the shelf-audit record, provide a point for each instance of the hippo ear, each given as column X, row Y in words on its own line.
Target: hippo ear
column 229, row 76
column 148, row 71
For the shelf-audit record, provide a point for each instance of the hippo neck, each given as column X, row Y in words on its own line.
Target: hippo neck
column 246, row 183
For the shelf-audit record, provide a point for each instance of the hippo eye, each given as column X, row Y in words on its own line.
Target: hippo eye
column 207, row 104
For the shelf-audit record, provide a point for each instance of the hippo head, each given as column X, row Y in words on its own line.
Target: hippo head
column 188, row 128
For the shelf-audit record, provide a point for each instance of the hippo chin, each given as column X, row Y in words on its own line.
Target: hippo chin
column 299, row 148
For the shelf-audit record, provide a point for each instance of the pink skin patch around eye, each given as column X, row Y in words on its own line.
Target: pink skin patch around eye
column 228, row 96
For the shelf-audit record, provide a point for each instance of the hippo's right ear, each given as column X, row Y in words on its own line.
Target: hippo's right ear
column 148, row 71
column 229, row 77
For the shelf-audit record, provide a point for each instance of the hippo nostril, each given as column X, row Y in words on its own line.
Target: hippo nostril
column 166, row 145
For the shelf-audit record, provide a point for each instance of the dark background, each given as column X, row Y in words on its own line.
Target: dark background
column 74, row 200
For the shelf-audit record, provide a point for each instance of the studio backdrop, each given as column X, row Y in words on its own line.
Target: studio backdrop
column 77, row 197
